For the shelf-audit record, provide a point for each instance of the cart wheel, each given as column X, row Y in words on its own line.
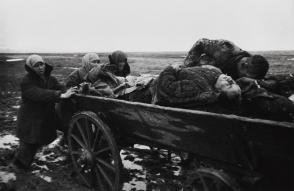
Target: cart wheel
column 206, row 179
column 93, row 151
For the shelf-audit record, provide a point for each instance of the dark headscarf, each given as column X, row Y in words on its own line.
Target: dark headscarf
column 114, row 59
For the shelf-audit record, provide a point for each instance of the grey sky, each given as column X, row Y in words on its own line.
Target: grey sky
column 144, row 25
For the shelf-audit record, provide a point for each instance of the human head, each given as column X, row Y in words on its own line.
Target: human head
column 90, row 60
column 36, row 63
column 228, row 87
column 120, row 60
column 255, row 66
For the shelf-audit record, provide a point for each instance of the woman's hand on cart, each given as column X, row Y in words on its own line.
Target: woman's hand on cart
column 71, row 91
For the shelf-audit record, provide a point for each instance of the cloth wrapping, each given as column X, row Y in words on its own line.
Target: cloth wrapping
column 104, row 83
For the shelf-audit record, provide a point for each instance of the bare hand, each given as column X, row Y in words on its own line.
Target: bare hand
column 71, row 91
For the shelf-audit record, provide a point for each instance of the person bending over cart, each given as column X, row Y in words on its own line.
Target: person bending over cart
column 225, row 55
column 238, row 63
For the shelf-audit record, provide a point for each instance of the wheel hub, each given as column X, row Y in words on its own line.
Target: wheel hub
column 88, row 156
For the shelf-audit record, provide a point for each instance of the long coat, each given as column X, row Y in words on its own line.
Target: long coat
column 37, row 120
column 219, row 53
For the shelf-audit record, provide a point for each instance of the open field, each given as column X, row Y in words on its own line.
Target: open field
column 64, row 64
column 142, row 170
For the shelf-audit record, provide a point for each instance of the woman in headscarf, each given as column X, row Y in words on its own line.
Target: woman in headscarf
column 89, row 61
column 37, row 120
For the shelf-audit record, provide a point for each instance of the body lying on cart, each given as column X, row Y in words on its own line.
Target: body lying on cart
column 234, row 153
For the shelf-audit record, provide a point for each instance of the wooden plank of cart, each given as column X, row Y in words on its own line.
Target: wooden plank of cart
column 234, row 153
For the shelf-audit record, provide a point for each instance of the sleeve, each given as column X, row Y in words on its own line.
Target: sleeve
column 37, row 94
column 73, row 79
column 195, row 52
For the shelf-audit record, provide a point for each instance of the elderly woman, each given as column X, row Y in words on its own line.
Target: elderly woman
column 194, row 87
column 89, row 61
column 37, row 120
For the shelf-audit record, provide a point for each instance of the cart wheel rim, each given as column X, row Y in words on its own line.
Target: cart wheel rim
column 93, row 151
column 210, row 180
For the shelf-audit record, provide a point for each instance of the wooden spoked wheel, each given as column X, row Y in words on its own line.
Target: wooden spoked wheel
column 93, row 151
column 206, row 179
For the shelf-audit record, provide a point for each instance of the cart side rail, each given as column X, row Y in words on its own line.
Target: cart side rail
column 230, row 138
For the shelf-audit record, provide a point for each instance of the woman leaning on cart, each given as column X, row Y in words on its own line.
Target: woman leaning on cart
column 37, row 122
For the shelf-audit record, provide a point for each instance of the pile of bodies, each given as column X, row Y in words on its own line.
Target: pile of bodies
column 216, row 76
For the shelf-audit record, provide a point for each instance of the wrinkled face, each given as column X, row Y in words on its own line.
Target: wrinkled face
column 39, row 68
column 245, row 68
column 94, row 63
column 227, row 85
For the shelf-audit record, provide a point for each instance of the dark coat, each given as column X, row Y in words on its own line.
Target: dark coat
column 219, row 53
column 191, row 87
column 282, row 84
column 259, row 103
column 37, row 120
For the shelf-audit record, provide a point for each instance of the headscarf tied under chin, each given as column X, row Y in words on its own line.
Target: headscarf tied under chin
column 87, row 59
column 33, row 59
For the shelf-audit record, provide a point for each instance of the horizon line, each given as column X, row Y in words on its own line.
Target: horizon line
column 105, row 52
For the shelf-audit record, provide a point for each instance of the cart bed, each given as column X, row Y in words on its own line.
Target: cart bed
column 242, row 141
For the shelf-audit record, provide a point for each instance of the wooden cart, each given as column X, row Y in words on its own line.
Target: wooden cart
column 230, row 152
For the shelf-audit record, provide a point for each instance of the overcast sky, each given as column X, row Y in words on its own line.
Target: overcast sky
column 144, row 25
